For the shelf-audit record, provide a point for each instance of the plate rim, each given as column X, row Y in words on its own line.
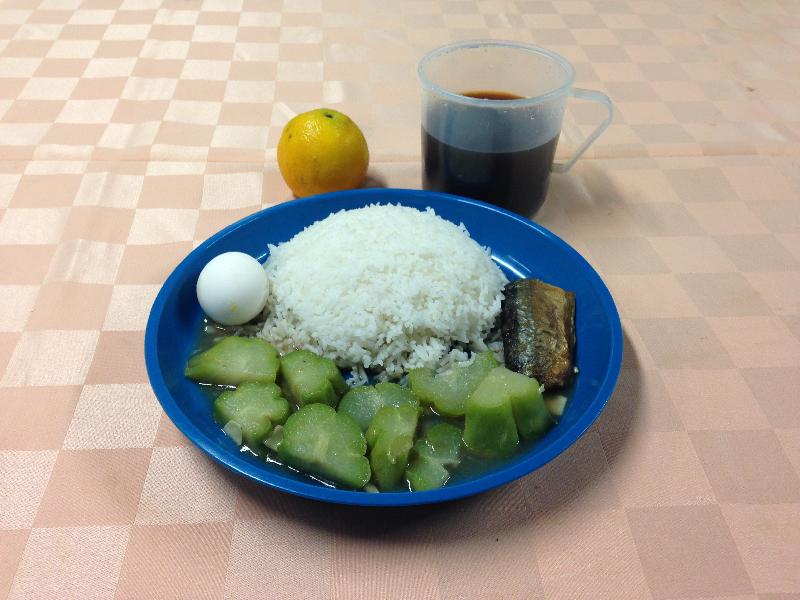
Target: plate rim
column 319, row 492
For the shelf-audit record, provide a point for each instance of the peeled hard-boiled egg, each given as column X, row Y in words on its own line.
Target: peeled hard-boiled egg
column 232, row 288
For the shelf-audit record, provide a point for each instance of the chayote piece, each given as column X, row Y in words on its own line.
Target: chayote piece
column 363, row 403
column 255, row 408
column 448, row 393
column 433, row 457
column 235, row 360
column 322, row 442
column 307, row 378
column 390, row 437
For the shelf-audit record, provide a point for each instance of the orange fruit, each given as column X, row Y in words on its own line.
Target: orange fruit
column 320, row 151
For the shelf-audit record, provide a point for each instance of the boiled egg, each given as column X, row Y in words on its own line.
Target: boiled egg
column 232, row 288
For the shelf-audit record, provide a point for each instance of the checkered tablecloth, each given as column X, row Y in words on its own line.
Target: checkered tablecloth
column 132, row 130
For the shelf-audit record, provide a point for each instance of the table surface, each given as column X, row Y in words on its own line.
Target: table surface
column 130, row 131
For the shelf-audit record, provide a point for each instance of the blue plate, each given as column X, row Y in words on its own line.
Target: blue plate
column 520, row 247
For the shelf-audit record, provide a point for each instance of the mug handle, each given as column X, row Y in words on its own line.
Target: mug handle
column 593, row 96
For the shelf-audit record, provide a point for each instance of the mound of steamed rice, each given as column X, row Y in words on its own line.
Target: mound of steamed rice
column 385, row 287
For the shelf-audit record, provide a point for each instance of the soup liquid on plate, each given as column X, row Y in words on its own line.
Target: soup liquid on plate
column 471, row 466
column 516, row 181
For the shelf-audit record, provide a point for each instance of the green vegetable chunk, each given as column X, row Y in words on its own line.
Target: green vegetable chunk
column 433, row 457
column 448, row 392
column 322, row 442
column 504, row 398
column 390, row 437
column 489, row 426
column 530, row 412
column 363, row 402
column 255, row 408
column 424, row 474
column 233, row 361
column 396, row 395
column 309, row 379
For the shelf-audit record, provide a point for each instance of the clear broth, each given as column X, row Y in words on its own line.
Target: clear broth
column 471, row 467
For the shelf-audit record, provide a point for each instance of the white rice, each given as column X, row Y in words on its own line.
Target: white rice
column 384, row 287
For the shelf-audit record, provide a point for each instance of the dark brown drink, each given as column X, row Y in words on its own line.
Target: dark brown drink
column 516, row 180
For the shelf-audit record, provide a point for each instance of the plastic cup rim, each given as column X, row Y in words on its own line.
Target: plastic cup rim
column 563, row 89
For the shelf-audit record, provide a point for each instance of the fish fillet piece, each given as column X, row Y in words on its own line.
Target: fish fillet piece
column 539, row 331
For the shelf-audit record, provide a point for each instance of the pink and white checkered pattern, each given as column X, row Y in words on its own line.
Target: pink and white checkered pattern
column 131, row 130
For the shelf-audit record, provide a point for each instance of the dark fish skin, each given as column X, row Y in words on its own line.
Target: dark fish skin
column 539, row 331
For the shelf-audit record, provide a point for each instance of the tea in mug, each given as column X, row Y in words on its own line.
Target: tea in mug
column 516, row 180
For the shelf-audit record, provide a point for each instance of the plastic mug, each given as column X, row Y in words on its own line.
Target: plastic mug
column 491, row 118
